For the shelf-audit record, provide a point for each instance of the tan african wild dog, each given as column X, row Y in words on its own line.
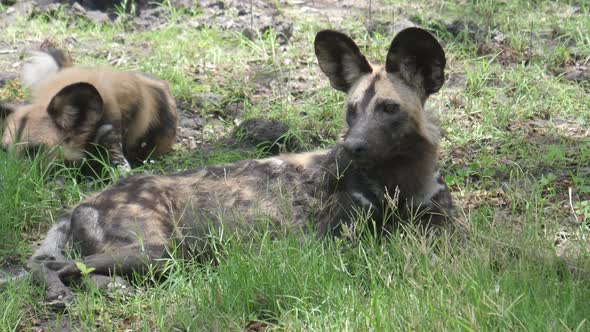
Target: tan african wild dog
column 130, row 115
column 390, row 148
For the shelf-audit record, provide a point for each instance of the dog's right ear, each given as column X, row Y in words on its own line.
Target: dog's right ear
column 418, row 58
column 340, row 59
column 6, row 109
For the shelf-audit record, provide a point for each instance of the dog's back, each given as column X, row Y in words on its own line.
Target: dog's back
column 137, row 113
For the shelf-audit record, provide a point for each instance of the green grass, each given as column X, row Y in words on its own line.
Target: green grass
column 515, row 145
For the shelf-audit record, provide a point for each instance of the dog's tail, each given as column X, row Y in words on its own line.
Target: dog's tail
column 53, row 246
column 43, row 63
column 51, row 249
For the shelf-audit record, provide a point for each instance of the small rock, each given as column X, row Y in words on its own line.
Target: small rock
column 214, row 4
column 192, row 144
column 457, row 80
column 119, row 39
column 255, row 327
column 206, row 99
column 19, row 9
column 232, row 109
column 78, row 8
column 389, row 28
column 94, row 16
column 249, row 33
column 183, row 4
column 578, row 74
column 97, row 17
column 467, row 30
column 283, row 29
column 190, row 121
column 189, row 133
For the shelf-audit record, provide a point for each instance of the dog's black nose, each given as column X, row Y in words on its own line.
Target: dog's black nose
column 356, row 147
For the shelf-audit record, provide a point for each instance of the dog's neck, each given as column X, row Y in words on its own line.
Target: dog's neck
column 408, row 172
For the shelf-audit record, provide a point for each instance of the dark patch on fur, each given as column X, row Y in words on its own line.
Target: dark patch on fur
column 131, row 114
column 117, row 234
column 350, row 113
column 368, row 95
column 96, row 149
column 165, row 126
column 84, row 238
column 217, row 171
column 5, row 110
column 21, row 127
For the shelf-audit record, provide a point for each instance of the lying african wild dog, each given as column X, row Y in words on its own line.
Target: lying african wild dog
column 81, row 109
column 390, row 147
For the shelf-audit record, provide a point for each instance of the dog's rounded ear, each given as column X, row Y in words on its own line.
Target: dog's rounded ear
column 340, row 59
column 418, row 58
column 6, row 109
column 76, row 106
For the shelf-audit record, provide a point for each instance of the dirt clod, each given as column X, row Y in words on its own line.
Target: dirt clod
column 578, row 74
column 270, row 135
column 255, row 327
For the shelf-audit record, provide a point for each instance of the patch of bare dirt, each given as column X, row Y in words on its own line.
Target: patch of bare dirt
column 50, row 8
column 46, row 324
column 141, row 14
column 542, row 131
column 465, row 30
column 251, row 18
column 504, row 53
column 334, row 12
column 495, row 197
column 489, row 39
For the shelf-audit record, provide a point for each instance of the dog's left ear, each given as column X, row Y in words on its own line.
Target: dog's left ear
column 418, row 58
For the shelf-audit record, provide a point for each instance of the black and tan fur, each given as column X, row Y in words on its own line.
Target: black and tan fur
column 389, row 150
column 130, row 115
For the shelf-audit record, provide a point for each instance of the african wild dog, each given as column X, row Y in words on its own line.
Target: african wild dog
column 81, row 109
column 390, row 147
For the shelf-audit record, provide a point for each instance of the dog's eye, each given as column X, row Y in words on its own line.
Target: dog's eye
column 390, row 108
column 350, row 109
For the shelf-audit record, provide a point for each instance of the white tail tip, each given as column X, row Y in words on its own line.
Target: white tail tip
column 37, row 67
